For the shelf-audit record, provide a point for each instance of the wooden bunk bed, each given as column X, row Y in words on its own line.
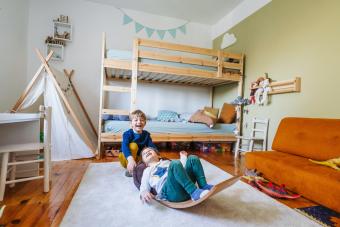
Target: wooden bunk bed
column 208, row 67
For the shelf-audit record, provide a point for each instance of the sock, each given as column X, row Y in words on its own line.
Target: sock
column 207, row 187
column 198, row 194
column 128, row 174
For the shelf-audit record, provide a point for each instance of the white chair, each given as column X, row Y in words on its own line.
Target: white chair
column 259, row 133
column 9, row 161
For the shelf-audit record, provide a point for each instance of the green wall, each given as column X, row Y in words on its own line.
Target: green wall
column 287, row 38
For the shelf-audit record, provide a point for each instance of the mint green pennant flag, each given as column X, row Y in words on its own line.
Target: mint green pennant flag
column 183, row 28
column 126, row 19
column 172, row 32
column 138, row 27
column 161, row 33
column 149, row 31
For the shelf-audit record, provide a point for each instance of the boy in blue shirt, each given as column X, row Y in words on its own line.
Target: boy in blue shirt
column 134, row 140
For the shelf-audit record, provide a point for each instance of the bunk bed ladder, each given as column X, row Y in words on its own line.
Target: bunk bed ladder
column 104, row 87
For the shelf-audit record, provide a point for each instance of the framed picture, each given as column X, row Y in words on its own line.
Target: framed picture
column 62, row 31
column 58, row 51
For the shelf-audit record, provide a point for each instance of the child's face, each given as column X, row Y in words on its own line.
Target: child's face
column 149, row 155
column 138, row 124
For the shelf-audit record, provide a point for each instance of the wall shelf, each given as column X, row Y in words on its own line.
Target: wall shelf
column 286, row 86
column 58, row 51
column 62, row 31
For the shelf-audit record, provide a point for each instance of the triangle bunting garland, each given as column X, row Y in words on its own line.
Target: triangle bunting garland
column 172, row 32
column 183, row 29
column 126, row 19
column 138, row 27
column 150, row 31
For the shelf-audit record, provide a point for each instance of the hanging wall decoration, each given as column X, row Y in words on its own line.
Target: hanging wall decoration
column 150, row 31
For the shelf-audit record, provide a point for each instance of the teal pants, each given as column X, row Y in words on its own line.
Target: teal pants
column 180, row 183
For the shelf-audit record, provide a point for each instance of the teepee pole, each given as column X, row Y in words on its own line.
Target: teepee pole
column 19, row 103
column 82, row 131
column 69, row 75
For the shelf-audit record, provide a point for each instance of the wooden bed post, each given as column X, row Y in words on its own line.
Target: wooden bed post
column 220, row 63
column 102, row 97
column 239, row 114
column 134, row 71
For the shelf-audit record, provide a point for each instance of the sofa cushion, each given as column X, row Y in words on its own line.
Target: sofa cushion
column 313, row 138
column 318, row 183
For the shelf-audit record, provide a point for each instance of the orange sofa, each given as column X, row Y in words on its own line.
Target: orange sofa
column 296, row 141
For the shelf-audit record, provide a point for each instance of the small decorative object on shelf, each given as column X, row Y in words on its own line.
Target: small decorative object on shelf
column 62, row 29
column 58, row 51
column 51, row 40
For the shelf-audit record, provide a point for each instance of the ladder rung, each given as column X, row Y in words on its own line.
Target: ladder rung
column 25, row 162
column 115, row 112
column 24, row 179
column 116, row 89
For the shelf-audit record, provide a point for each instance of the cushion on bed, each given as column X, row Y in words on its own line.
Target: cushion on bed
column 228, row 114
column 168, row 116
column 211, row 112
column 200, row 117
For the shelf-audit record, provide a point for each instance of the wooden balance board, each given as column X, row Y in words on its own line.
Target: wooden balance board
column 190, row 203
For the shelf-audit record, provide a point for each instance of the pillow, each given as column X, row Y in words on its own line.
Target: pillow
column 167, row 115
column 211, row 112
column 200, row 117
column 228, row 114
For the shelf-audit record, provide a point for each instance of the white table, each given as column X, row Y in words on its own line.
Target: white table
column 20, row 136
column 21, row 128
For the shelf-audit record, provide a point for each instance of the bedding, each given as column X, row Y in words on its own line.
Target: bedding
column 127, row 56
column 170, row 127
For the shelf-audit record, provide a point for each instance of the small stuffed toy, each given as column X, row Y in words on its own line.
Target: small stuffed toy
column 254, row 86
column 261, row 94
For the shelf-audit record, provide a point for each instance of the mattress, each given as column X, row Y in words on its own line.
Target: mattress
column 127, row 56
column 171, row 127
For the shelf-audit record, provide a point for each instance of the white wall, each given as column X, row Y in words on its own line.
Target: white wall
column 89, row 20
column 13, row 40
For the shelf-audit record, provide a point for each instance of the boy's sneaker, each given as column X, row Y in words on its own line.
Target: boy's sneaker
column 128, row 174
column 198, row 194
column 207, row 187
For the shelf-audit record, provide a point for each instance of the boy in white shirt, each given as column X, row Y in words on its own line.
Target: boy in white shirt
column 174, row 180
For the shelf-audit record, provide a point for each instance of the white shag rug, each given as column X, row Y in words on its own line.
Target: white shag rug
column 107, row 198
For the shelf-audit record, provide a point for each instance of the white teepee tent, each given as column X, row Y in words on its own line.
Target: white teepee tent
column 73, row 136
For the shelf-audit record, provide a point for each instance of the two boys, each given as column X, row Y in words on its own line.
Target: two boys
column 172, row 180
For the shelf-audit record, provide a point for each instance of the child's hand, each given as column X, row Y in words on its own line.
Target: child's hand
column 183, row 153
column 146, row 196
column 131, row 164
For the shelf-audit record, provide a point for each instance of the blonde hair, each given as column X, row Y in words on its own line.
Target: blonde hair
column 137, row 113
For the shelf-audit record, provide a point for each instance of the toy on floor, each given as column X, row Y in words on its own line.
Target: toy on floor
column 256, row 180
column 333, row 163
column 275, row 191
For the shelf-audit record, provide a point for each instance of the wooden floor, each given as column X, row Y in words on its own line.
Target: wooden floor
column 27, row 205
